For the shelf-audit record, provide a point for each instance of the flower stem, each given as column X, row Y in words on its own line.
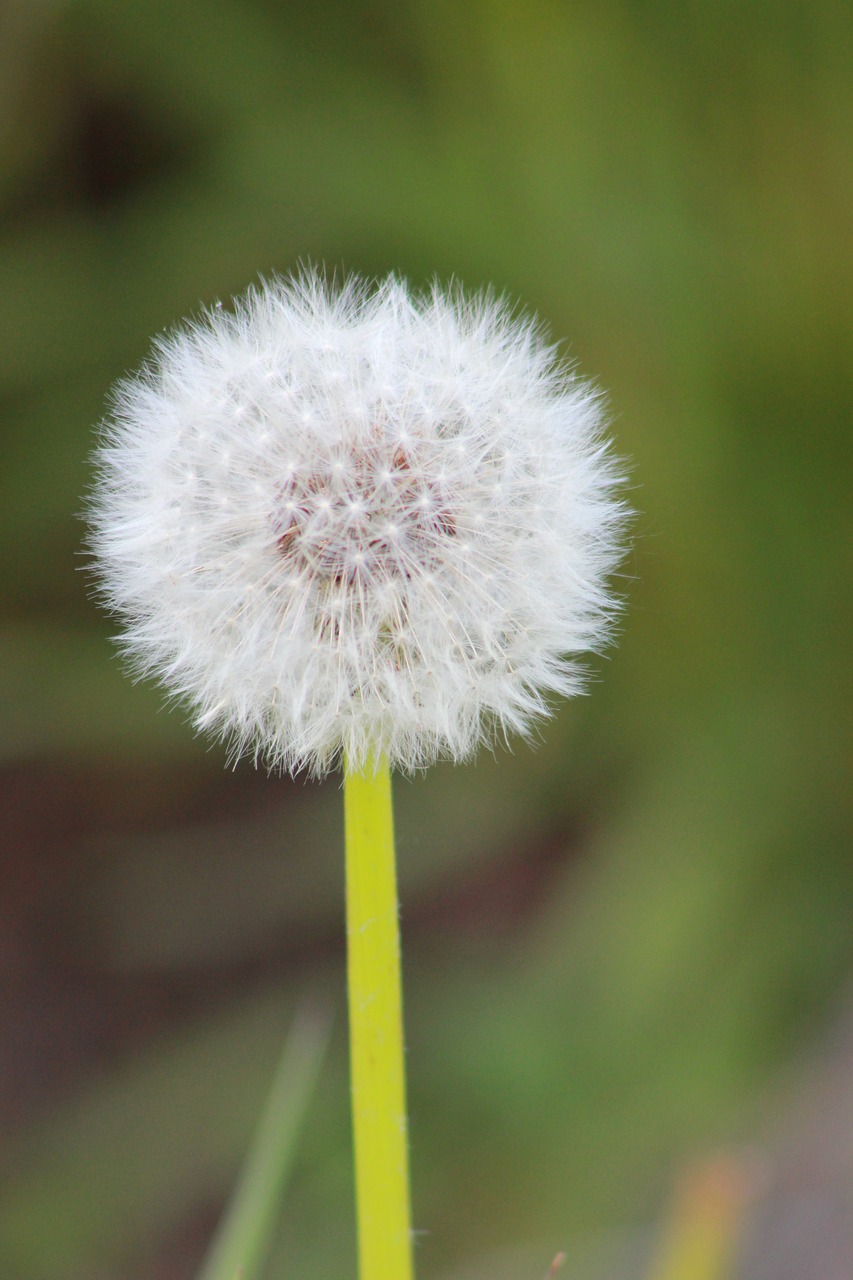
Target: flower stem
column 376, row 1028
column 700, row 1240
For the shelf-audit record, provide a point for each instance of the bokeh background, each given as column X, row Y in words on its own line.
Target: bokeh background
column 627, row 949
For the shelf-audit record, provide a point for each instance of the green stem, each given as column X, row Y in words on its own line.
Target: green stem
column 242, row 1243
column 376, row 1029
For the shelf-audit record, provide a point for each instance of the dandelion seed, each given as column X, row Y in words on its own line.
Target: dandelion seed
column 393, row 517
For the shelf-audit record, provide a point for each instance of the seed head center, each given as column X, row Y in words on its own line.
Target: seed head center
column 368, row 514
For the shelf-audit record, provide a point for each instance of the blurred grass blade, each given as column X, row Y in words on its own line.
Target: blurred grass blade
column 699, row 1241
column 241, row 1244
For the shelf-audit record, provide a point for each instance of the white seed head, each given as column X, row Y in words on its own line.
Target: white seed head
column 344, row 521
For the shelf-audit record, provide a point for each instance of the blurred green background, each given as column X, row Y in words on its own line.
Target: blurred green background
column 619, row 945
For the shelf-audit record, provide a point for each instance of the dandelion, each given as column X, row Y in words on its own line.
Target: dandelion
column 363, row 527
column 340, row 524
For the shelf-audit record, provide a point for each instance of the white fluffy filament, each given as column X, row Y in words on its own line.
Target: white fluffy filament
column 355, row 521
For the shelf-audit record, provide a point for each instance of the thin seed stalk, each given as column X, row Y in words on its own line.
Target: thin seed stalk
column 376, row 1029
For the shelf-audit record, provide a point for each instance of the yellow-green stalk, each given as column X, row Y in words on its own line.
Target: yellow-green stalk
column 699, row 1241
column 376, row 1028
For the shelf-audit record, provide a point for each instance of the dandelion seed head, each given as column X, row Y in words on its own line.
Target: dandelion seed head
column 345, row 521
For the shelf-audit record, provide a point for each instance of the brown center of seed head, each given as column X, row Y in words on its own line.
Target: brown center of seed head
column 361, row 517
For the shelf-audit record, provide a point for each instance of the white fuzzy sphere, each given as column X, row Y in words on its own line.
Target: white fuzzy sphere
column 341, row 522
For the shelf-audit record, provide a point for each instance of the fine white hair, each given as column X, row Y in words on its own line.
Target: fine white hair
column 344, row 521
